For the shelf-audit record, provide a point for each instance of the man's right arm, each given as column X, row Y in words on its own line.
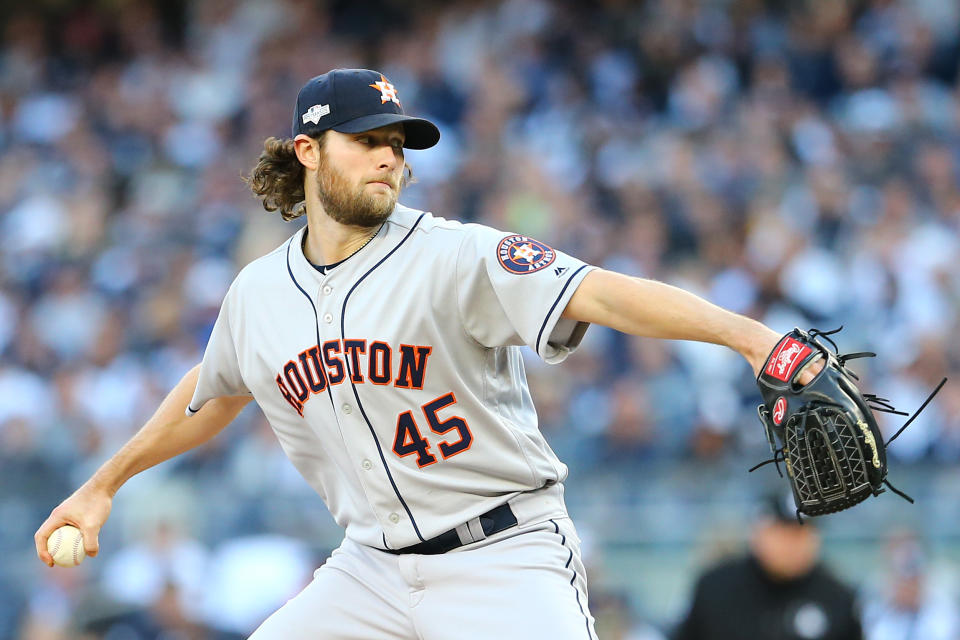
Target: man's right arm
column 168, row 433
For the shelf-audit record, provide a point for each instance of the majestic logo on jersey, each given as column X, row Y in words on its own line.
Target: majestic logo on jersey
column 387, row 90
column 520, row 254
column 316, row 112
column 330, row 363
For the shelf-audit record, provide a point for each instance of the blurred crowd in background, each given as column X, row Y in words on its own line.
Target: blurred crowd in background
column 796, row 161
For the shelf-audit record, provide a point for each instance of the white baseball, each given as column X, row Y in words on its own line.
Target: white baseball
column 66, row 546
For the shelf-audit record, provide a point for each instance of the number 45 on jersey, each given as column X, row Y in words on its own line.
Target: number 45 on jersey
column 409, row 440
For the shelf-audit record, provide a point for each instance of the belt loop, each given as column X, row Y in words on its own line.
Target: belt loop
column 476, row 529
column 463, row 532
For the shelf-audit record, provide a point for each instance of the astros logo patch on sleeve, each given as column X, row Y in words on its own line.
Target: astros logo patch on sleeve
column 520, row 254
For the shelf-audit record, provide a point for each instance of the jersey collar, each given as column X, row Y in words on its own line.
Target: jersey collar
column 304, row 269
column 326, row 268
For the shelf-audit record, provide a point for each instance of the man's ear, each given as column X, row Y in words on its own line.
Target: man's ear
column 308, row 151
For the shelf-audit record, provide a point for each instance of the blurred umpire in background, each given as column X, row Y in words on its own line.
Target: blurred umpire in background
column 778, row 591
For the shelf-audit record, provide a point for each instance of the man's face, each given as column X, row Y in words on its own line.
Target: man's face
column 359, row 176
column 786, row 550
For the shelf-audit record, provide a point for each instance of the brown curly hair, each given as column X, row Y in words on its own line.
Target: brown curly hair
column 277, row 179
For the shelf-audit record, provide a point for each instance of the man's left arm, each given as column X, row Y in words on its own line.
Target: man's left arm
column 657, row 310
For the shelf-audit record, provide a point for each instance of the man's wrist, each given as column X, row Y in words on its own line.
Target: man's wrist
column 754, row 341
column 101, row 483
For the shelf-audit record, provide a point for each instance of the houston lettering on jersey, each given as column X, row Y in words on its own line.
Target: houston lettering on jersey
column 375, row 362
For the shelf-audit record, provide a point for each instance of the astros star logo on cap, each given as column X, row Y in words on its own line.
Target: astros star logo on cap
column 387, row 91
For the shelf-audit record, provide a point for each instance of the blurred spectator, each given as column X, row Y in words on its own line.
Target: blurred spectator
column 253, row 576
column 914, row 603
column 163, row 564
column 10, row 616
column 780, row 590
column 162, row 618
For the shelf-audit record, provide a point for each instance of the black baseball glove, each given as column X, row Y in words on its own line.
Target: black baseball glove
column 824, row 432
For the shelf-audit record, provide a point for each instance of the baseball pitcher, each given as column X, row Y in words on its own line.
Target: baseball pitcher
column 383, row 345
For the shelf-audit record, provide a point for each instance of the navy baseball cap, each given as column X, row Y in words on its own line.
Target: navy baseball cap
column 356, row 100
column 779, row 506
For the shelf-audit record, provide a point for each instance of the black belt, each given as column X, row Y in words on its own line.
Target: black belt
column 493, row 521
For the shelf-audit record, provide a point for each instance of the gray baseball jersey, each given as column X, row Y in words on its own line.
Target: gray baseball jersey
column 394, row 381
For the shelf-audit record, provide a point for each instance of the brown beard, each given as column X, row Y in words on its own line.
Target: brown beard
column 349, row 204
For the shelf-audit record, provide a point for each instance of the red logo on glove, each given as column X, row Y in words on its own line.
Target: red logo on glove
column 786, row 358
column 779, row 410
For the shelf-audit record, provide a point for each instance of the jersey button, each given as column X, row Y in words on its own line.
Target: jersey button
column 367, row 465
column 347, row 408
column 394, row 518
column 327, row 318
column 327, row 290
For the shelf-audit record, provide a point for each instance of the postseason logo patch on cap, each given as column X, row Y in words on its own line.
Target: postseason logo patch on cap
column 520, row 254
column 316, row 112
